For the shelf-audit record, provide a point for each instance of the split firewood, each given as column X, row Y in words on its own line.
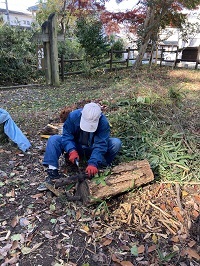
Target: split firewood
column 49, row 130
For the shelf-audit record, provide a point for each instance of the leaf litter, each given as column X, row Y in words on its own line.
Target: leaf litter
column 157, row 224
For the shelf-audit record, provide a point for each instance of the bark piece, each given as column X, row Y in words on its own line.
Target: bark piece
column 123, row 177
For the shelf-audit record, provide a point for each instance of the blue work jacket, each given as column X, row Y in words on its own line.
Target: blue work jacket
column 98, row 139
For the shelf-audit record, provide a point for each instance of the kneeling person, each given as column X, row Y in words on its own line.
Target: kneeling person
column 86, row 131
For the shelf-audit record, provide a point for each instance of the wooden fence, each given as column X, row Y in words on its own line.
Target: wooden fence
column 189, row 54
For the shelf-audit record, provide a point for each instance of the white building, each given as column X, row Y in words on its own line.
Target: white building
column 174, row 35
column 15, row 18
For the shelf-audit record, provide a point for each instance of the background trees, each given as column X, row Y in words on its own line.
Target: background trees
column 88, row 28
column 17, row 63
column 89, row 32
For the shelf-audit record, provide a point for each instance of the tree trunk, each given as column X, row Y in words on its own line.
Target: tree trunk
column 148, row 29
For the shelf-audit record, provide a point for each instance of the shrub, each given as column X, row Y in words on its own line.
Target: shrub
column 118, row 46
column 17, row 56
column 92, row 38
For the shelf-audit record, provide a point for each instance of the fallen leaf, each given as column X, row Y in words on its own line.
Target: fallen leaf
column 175, row 239
column 15, row 244
column 11, row 193
column 37, row 196
column 85, row 229
column 5, row 249
column 191, row 243
column 176, row 209
column 163, row 206
column 175, row 248
column 24, row 221
column 27, row 250
column 48, row 234
column 154, row 238
column 152, row 248
column 179, row 216
column 78, row 215
column 15, row 221
column 16, row 237
column 126, row 263
column 115, row 259
column 107, row 242
column 197, row 198
column 141, row 249
column 184, row 193
column 134, row 250
column 195, row 213
column 11, row 261
column 192, row 253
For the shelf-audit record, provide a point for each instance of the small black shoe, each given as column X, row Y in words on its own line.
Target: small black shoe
column 52, row 175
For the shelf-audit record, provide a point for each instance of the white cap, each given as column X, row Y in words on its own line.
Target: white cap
column 90, row 117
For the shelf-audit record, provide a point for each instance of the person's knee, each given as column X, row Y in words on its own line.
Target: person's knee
column 115, row 144
column 54, row 138
column 118, row 143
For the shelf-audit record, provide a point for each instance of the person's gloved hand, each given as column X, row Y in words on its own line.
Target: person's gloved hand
column 73, row 155
column 91, row 170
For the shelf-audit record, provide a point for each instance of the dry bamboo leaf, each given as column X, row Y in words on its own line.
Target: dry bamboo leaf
column 37, row 196
column 179, row 216
column 192, row 253
column 191, row 243
column 44, row 136
column 197, row 198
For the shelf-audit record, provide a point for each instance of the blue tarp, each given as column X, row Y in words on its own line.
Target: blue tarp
column 13, row 131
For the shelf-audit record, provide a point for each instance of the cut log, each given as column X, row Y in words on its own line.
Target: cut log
column 123, row 177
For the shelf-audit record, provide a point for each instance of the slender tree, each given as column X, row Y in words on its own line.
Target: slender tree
column 148, row 17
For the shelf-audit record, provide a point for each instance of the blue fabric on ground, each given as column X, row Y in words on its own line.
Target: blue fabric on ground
column 13, row 131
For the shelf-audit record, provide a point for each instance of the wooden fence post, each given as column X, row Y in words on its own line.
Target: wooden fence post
column 175, row 62
column 47, row 60
column 128, row 56
column 54, row 49
column 161, row 56
column 62, row 68
column 198, row 58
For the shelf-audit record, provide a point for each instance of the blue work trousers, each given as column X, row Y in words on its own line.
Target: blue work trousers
column 54, row 150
